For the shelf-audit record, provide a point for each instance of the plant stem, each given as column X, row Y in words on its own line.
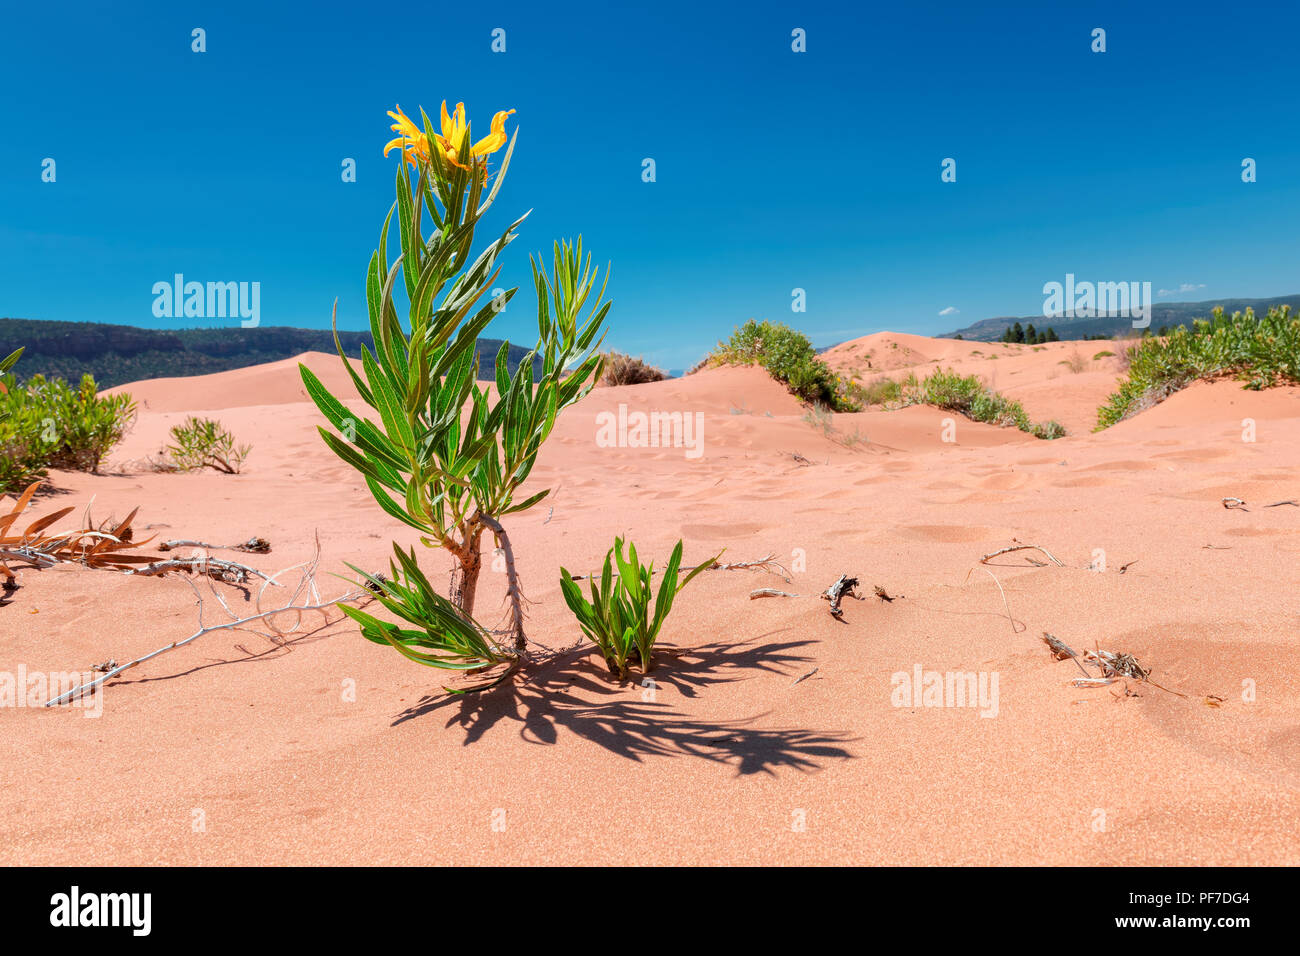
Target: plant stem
column 513, row 591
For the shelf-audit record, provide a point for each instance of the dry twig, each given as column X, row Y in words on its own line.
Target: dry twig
column 1021, row 547
column 305, row 597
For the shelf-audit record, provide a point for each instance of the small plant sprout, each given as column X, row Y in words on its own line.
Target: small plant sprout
column 618, row 618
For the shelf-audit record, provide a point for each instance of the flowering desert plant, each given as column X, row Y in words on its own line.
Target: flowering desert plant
column 447, row 455
column 618, row 618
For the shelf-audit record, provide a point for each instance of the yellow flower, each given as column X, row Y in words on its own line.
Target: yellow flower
column 454, row 129
column 410, row 139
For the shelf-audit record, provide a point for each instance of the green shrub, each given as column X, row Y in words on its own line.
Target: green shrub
column 1261, row 352
column 617, row 618
column 1104, row 353
column 48, row 424
column 969, row 396
column 788, row 357
column 881, row 391
column 204, row 443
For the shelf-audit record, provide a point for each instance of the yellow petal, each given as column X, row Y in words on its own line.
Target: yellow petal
column 495, row 139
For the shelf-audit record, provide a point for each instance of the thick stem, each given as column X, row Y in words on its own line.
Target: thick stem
column 470, row 557
column 513, row 591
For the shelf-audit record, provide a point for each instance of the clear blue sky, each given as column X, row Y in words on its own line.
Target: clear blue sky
column 775, row 169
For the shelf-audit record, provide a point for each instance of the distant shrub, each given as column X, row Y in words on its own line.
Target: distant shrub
column 789, row 357
column 1260, row 352
column 1104, row 353
column 618, row 618
column 47, row 423
column 623, row 369
column 204, row 443
column 972, row 398
column 879, row 391
column 1075, row 363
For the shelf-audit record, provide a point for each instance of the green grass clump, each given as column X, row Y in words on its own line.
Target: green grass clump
column 1260, row 352
column 969, row 396
column 205, row 443
column 46, row 423
column 788, row 357
column 618, row 618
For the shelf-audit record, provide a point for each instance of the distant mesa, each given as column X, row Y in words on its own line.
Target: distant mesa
column 116, row 354
column 1162, row 314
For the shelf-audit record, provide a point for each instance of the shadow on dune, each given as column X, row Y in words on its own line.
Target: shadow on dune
column 573, row 693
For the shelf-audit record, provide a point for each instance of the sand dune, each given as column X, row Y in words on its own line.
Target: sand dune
column 1065, row 381
column 726, row 759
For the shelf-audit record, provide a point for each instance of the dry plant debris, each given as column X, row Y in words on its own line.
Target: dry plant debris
column 304, row 597
column 769, row 592
column 88, row 545
column 1023, row 547
column 842, row 588
column 251, row 546
column 1235, row 504
column 1109, row 665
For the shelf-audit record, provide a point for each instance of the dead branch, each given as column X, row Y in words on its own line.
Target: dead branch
column 770, row 592
column 1235, row 504
column 305, row 597
column 885, row 595
column 839, row 590
column 1278, row 504
column 216, row 568
column 1021, row 547
column 251, row 546
column 804, row 677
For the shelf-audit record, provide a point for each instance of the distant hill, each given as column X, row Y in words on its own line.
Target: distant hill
column 115, row 354
column 1162, row 313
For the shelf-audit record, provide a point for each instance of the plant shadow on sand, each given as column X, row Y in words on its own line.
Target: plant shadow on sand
column 573, row 692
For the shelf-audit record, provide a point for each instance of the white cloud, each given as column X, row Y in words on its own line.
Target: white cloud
column 949, row 311
column 1185, row 287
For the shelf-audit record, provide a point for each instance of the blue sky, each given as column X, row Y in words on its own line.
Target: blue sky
column 775, row 170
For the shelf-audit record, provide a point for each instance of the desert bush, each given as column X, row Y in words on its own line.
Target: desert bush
column 972, row 398
column 1260, row 352
column 617, row 619
column 1104, row 353
column 623, row 369
column 205, row 443
column 788, row 357
column 880, row 391
column 46, row 423
column 446, row 457
column 1075, row 363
